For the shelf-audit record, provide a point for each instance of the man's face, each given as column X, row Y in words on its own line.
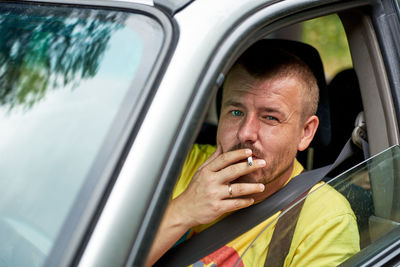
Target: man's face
column 263, row 115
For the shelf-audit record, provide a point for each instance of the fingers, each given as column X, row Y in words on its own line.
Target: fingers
column 213, row 156
column 243, row 189
column 234, row 171
column 223, row 160
column 230, row 205
column 237, row 200
column 208, row 195
column 237, row 204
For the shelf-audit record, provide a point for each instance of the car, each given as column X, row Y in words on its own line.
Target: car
column 101, row 101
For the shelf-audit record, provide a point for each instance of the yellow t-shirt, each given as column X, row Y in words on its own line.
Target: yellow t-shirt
column 326, row 233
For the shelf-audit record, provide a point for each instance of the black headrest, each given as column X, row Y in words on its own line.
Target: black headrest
column 345, row 104
column 311, row 57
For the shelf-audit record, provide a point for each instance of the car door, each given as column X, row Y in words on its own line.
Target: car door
column 120, row 197
column 76, row 79
column 371, row 40
column 384, row 223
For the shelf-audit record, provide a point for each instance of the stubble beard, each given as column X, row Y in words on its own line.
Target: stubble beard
column 273, row 170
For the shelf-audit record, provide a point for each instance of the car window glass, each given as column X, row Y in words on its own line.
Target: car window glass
column 370, row 188
column 67, row 75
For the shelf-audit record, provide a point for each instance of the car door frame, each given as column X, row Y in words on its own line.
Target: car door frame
column 250, row 28
column 79, row 224
column 264, row 18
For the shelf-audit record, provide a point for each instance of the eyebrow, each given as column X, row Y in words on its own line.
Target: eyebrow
column 232, row 103
column 271, row 110
column 237, row 104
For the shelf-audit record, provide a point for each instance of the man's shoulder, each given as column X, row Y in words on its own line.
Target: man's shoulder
column 325, row 202
column 203, row 149
column 326, row 224
column 198, row 154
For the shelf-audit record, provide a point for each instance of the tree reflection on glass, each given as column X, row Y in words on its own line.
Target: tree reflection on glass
column 42, row 48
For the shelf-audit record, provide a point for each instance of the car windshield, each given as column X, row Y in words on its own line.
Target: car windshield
column 69, row 80
column 375, row 210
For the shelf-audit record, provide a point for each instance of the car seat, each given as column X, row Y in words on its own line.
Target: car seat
column 345, row 109
column 311, row 57
column 345, row 104
column 207, row 134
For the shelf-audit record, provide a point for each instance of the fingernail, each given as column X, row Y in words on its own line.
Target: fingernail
column 248, row 152
column 262, row 187
column 261, row 162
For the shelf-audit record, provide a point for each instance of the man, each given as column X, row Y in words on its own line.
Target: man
column 268, row 112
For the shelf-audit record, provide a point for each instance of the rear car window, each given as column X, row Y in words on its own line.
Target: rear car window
column 68, row 77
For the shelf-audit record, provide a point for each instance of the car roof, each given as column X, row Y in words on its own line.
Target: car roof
column 172, row 6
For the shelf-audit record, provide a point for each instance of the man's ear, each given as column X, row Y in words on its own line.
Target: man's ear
column 308, row 132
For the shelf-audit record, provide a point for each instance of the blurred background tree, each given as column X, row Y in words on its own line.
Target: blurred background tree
column 49, row 48
column 328, row 36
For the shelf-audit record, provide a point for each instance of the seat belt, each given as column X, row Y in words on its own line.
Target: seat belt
column 282, row 236
column 239, row 222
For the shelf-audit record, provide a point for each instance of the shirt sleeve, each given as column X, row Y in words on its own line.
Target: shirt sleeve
column 326, row 233
column 198, row 154
column 329, row 244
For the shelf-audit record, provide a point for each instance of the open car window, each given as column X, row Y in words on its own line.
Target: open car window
column 374, row 210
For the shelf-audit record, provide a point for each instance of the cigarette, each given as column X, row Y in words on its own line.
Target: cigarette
column 250, row 161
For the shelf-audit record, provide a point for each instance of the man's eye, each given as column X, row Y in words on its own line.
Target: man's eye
column 271, row 118
column 236, row 113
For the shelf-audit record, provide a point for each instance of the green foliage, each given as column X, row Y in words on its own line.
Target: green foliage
column 328, row 36
column 44, row 47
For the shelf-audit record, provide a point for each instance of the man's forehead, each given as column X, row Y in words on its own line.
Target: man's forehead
column 243, row 83
column 274, row 94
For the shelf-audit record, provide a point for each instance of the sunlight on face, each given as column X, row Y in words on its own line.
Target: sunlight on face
column 263, row 115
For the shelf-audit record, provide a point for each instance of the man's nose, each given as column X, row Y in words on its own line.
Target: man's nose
column 248, row 130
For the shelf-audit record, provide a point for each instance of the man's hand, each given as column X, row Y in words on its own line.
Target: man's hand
column 207, row 196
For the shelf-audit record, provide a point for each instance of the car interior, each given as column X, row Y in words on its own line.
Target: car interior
column 355, row 104
column 112, row 184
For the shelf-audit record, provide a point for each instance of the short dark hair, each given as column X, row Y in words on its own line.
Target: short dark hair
column 262, row 62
